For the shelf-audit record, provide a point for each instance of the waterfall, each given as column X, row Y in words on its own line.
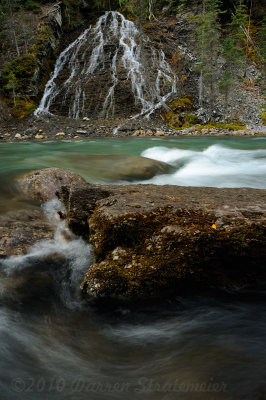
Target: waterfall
column 110, row 70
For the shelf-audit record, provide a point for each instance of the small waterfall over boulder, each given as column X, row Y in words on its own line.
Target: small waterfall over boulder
column 110, row 71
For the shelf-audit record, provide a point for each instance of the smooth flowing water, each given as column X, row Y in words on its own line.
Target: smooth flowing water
column 54, row 346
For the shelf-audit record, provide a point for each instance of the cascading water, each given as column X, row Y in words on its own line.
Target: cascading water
column 64, row 259
column 111, row 70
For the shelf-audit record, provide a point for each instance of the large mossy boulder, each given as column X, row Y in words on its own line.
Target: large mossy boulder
column 153, row 240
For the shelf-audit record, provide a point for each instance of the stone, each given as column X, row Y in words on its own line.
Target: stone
column 149, row 133
column 38, row 136
column 18, row 136
column 119, row 167
column 81, row 131
column 173, row 238
column 159, row 133
column 21, row 229
column 60, row 134
column 80, row 200
column 41, row 185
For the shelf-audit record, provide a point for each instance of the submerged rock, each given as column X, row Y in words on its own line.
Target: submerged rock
column 41, row 185
column 20, row 230
column 119, row 167
column 150, row 240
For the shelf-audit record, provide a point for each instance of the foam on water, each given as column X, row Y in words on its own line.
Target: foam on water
column 216, row 166
column 76, row 256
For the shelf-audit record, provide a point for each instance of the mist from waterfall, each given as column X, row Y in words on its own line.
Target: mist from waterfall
column 98, row 62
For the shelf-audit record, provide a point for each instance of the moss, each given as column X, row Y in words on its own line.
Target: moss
column 232, row 126
column 23, row 107
column 44, row 34
column 263, row 114
column 184, row 103
column 180, row 114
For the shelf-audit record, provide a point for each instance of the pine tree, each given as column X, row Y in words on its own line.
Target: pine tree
column 235, row 49
column 262, row 43
column 13, row 25
column 232, row 56
column 209, row 45
column 12, row 84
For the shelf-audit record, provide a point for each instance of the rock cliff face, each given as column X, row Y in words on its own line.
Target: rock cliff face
column 116, row 70
column 48, row 38
column 150, row 240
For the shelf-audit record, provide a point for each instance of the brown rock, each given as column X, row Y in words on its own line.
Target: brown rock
column 148, row 133
column 118, row 167
column 41, row 185
column 20, row 230
column 80, row 200
column 149, row 240
column 159, row 133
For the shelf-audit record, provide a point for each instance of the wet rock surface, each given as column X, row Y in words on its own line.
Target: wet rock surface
column 41, row 185
column 151, row 240
column 119, row 167
column 21, row 229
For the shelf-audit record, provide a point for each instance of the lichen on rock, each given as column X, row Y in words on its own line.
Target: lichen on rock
column 42, row 185
column 149, row 241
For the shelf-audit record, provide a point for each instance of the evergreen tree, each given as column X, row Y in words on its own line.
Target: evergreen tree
column 238, row 27
column 209, row 46
column 12, row 85
column 262, row 43
column 232, row 56
column 235, row 50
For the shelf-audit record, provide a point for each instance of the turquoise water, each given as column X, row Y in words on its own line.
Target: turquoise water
column 16, row 157
column 197, row 161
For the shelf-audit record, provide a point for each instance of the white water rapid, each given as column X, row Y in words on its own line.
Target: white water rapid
column 64, row 259
column 108, row 71
column 215, row 166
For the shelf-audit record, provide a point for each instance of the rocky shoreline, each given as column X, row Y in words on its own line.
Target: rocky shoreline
column 61, row 128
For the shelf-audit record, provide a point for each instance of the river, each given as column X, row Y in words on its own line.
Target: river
column 55, row 346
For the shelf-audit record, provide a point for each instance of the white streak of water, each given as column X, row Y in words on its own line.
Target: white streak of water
column 76, row 256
